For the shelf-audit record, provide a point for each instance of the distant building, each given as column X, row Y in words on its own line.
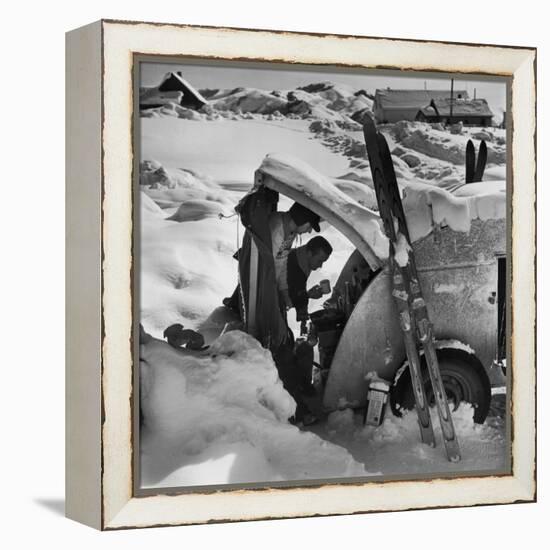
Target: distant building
column 471, row 112
column 393, row 105
column 174, row 89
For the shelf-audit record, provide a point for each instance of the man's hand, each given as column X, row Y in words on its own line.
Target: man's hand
column 315, row 292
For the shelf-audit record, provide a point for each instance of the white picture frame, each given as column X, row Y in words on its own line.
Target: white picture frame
column 100, row 330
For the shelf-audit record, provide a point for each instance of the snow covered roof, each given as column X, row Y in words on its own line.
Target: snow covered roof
column 467, row 107
column 299, row 181
column 405, row 99
column 185, row 85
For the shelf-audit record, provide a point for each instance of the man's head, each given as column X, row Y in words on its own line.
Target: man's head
column 318, row 252
column 304, row 219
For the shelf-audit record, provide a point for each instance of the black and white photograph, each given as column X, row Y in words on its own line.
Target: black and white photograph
column 321, row 280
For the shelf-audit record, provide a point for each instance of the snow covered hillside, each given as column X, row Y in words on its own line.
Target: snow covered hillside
column 220, row 416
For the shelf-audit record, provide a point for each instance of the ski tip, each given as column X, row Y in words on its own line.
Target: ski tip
column 368, row 122
column 452, row 449
column 382, row 142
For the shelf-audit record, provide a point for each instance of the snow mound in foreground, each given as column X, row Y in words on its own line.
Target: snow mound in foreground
column 222, row 418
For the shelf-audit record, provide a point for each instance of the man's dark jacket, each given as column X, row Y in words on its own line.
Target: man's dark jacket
column 297, row 284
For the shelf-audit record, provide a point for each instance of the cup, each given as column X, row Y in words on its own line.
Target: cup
column 325, row 286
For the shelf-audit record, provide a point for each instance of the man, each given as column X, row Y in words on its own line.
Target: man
column 300, row 263
column 284, row 228
column 295, row 360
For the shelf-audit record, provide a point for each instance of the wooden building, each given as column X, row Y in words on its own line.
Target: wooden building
column 394, row 105
column 471, row 112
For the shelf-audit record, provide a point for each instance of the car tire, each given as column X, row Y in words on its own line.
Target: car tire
column 464, row 379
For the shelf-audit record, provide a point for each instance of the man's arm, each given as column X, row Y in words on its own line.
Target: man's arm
column 297, row 291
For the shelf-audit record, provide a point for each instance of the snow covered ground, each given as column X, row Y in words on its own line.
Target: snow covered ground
column 220, row 416
column 191, row 141
column 395, row 448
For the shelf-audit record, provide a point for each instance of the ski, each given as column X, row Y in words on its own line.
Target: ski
column 414, row 319
column 401, row 291
column 481, row 161
column 470, row 161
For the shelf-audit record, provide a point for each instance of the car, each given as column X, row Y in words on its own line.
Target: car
column 459, row 244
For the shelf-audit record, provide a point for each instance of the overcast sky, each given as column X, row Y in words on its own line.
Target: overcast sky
column 284, row 78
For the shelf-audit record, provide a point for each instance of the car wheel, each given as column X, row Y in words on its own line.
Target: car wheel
column 464, row 379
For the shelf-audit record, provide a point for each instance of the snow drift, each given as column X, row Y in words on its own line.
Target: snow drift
column 222, row 418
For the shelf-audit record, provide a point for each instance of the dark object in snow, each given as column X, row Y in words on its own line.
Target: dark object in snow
column 475, row 170
column 481, row 161
column 178, row 337
column 411, row 307
column 376, row 401
column 470, row 161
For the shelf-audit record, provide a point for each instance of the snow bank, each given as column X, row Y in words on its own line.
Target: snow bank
column 186, row 263
column 222, row 418
column 149, row 208
column 250, row 100
column 338, row 97
column 196, row 210
column 440, row 144
column 339, row 104
column 426, row 206
column 169, row 187
column 304, row 179
column 185, row 268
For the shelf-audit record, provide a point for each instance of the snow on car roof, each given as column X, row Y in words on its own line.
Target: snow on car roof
column 425, row 205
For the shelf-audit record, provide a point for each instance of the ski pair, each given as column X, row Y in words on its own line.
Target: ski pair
column 406, row 291
column 474, row 170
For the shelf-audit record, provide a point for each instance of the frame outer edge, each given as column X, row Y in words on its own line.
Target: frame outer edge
column 83, row 413
column 523, row 274
column 123, row 511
